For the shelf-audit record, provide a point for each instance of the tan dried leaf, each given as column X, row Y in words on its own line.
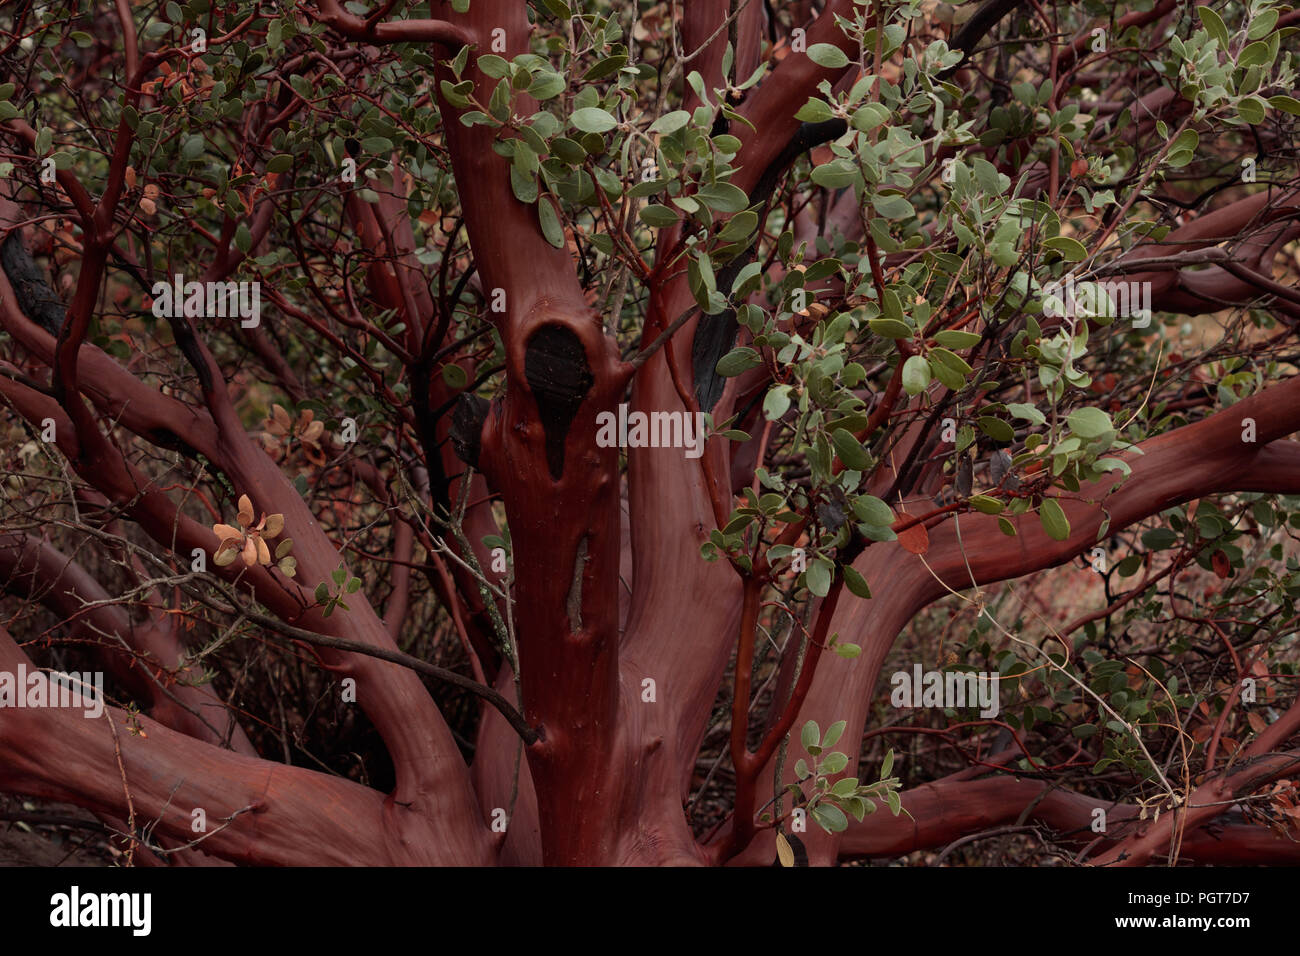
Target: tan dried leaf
column 274, row 525
column 225, row 532
column 784, row 852
column 245, row 511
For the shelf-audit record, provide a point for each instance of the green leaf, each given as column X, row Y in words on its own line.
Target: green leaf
column 818, row 577
column 871, row 510
column 836, row 174
column 890, row 328
column 1129, row 566
column 1159, row 539
column 893, row 206
column 670, row 122
column 828, row 55
column 830, row 817
column 1183, row 149
column 280, row 163
column 1072, row 250
column 1003, row 253
column 1214, row 25
column 844, row 787
column 550, row 222
column 887, row 765
column 776, row 404
column 1052, row 515
column 950, row 360
column 985, row 504
column 192, row 147
column 953, row 339
column 833, row 762
column 850, row 450
column 810, row 735
column 815, row 111
column 454, row 376
column 1287, row 104
column 658, row 216
column 1089, row 423
column 546, row 86
column 523, row 184
column 723, row 197
column 868, row 117
column 738, row 361
column 568, row 151
column 856, row 584
column 833, row 733
column 591, row 119
column 726, row 143
column 916, row 375
column 1027, row 412
column 996, row 428
column 605, row 67
column 739, row 227
column 1252, row 110
column 1262, row 25
column 493, row 65
column 1257, row 54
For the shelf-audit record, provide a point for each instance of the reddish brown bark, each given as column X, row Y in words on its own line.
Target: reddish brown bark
column 604, row 606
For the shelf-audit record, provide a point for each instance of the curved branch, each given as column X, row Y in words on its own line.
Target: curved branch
column 1204, row 458
column 36, row 570
column 438, row 32
column 948, row 809
column 276, row 814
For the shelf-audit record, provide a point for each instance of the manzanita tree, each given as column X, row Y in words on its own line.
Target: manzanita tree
column 494, row 432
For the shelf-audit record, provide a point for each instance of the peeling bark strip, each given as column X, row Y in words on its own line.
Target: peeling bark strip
column 467, row 427
column 555, row 365
column 573, row 603
column 33, row 292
